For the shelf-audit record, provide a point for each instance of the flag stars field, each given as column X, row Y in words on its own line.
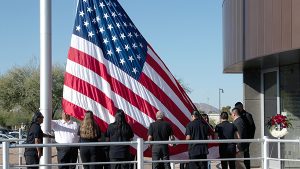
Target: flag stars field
column 122, row 61
column 101, row 30
column 78, row 28
column 81, row 13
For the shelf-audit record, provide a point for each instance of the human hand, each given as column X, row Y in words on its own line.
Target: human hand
column 40, row 155
column 237, row 149
column 172, row 145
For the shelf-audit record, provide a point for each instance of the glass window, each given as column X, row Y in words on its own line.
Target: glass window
column 290, row 104
column 270, row 105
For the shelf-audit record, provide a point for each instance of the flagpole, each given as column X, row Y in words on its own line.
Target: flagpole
column 45, row 75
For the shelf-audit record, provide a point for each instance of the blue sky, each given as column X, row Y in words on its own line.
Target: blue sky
column 187, row 35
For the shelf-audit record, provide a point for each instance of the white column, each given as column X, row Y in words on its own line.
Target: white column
column 45, row 75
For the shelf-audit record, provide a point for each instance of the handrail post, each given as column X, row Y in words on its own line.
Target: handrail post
column 265, row 153
column 140, row 153
column 20, row 149
column 5, row 152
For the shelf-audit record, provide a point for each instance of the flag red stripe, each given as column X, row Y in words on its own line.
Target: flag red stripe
column 126, row 93
column 160, row 95
column 118, row 88
column 159, row 58
column 106, row 102
column 78, row 113
column 166, row 78
column 97, row 95
column 183, row 93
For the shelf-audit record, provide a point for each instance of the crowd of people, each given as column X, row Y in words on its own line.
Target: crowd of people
column 68, row 131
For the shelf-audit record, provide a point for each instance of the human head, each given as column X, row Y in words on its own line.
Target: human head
column 235, row 113
column 195, row 115
column 224, row 116
column 120, row 116
column 239, row 105
column 88, row 117
column 88, row 126
column 160, row 115
column 205, row 117
column 65, row 116
column 37, row 118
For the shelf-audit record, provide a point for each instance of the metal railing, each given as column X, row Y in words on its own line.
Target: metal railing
column 140, row 145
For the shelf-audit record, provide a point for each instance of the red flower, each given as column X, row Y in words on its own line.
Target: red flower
column 280, row 120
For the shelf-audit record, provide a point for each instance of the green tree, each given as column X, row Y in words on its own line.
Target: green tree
column 185, row 87
column 20, row 93
column 227, row 109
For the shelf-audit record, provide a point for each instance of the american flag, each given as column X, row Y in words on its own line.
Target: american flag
column 110, row 65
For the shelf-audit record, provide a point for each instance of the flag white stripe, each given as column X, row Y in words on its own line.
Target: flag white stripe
column 158, row 61
column 94, row 79
column 87, row 103
column 156, row 78
column 96, row 52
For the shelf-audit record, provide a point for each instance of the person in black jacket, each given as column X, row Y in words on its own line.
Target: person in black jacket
column 35, row 136
column 120, row 130
column 197, row 130
column 242, row 130
column 160, row 131
column 250, row 130
column 227, row 130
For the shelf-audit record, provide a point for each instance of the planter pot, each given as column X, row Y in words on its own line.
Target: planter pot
column 278, row 133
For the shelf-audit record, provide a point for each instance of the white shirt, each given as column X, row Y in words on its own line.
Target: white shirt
column 65, row 132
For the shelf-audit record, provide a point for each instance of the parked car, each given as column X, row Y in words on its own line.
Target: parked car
column 15, row 134
column 4, row 131
column 6, row 137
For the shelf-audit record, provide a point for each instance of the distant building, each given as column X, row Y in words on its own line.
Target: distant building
column 262, row 41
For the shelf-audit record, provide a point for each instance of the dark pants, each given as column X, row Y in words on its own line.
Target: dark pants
column 119, row 166
column 32, row 159
column 247, row 155
column 225, row 163
column 90, row 154
column 132, row 158
column 198, row 164
column 227, row 151
column 105, row 156
column 67, row 155
column 160, row 152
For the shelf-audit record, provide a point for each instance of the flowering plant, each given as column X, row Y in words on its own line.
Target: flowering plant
column 279, row 121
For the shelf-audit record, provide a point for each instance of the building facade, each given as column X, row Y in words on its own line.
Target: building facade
column 261, row 40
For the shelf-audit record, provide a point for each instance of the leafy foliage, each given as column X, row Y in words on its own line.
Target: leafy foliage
column 20, row 93
column 226, row 109
column 185, row 87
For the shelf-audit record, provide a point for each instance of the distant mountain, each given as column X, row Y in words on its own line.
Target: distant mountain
column 206, row 108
